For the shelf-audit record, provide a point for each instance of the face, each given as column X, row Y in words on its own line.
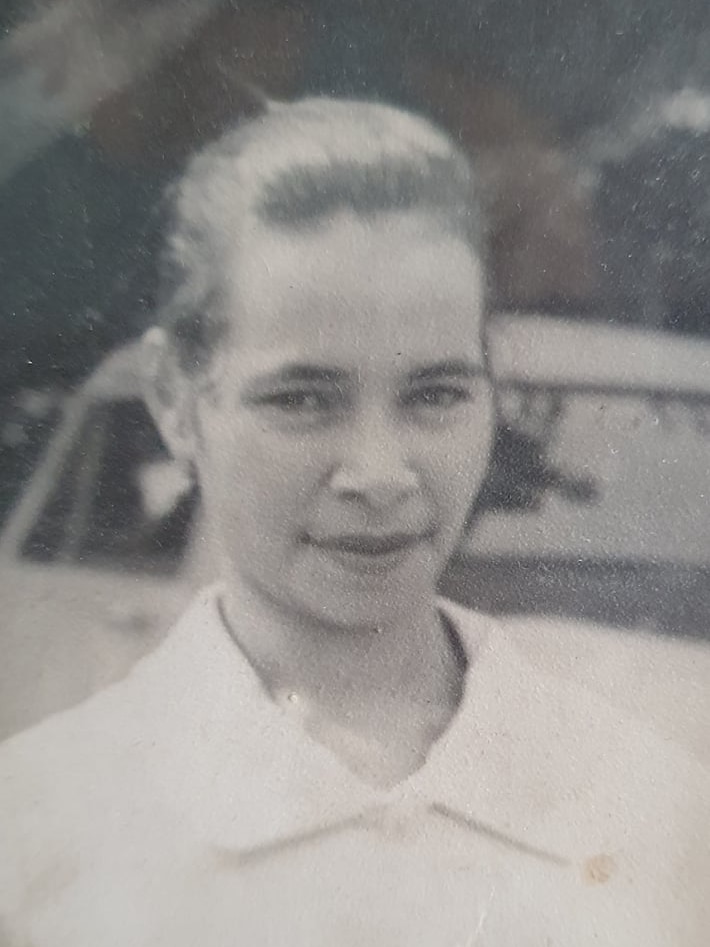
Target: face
column 352, row 420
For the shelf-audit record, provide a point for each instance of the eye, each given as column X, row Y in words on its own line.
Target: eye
column 299, row 401
column 437, row 396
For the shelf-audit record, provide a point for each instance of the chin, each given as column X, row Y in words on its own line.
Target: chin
column 366, row 611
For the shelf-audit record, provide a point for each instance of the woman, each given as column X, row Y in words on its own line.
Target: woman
column 323, row 752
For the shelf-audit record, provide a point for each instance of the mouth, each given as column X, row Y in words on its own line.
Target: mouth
column 370, row 553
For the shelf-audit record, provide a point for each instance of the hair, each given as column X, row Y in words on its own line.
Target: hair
column 291, row 168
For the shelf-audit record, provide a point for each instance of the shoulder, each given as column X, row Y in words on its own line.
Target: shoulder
column 130, row 712
column 653, row 682
column 60, row 779
column 658, row 680
column 593, row 737
column 623, row 711
column 101, row 763
column 50, row 796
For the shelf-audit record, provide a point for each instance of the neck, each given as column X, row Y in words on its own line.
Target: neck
column 293, row 652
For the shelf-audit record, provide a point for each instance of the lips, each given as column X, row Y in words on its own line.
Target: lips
column 369, row 545
column 369, row 554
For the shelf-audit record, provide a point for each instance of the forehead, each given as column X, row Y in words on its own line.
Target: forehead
column 393, row 285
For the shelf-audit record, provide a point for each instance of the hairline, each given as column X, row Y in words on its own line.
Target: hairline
column 413, row 160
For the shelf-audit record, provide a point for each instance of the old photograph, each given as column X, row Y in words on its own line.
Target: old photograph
column 354, row 473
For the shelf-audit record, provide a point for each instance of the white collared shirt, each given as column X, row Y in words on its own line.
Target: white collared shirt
column 183, row 806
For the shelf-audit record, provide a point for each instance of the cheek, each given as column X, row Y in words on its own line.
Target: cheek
column 463, row 460
column 478, row 449
column 253, row 479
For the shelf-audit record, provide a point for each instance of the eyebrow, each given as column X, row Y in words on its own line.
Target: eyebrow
column 459, row 368
column 323, row 374
column 304, row 372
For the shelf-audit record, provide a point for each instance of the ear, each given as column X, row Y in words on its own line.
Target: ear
column 170, row 396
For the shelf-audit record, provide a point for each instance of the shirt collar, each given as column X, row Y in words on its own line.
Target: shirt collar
column 256, row 781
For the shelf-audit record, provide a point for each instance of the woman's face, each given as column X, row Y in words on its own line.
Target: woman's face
column 353, row 420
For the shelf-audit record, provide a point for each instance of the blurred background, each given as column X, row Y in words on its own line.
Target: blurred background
column 589, row 124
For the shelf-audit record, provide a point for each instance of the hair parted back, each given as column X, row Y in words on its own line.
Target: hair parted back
column 293, row 167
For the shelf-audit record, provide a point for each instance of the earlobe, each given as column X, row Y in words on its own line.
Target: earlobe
column 169, row 395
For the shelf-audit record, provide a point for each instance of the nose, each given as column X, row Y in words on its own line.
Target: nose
column 375, row 470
